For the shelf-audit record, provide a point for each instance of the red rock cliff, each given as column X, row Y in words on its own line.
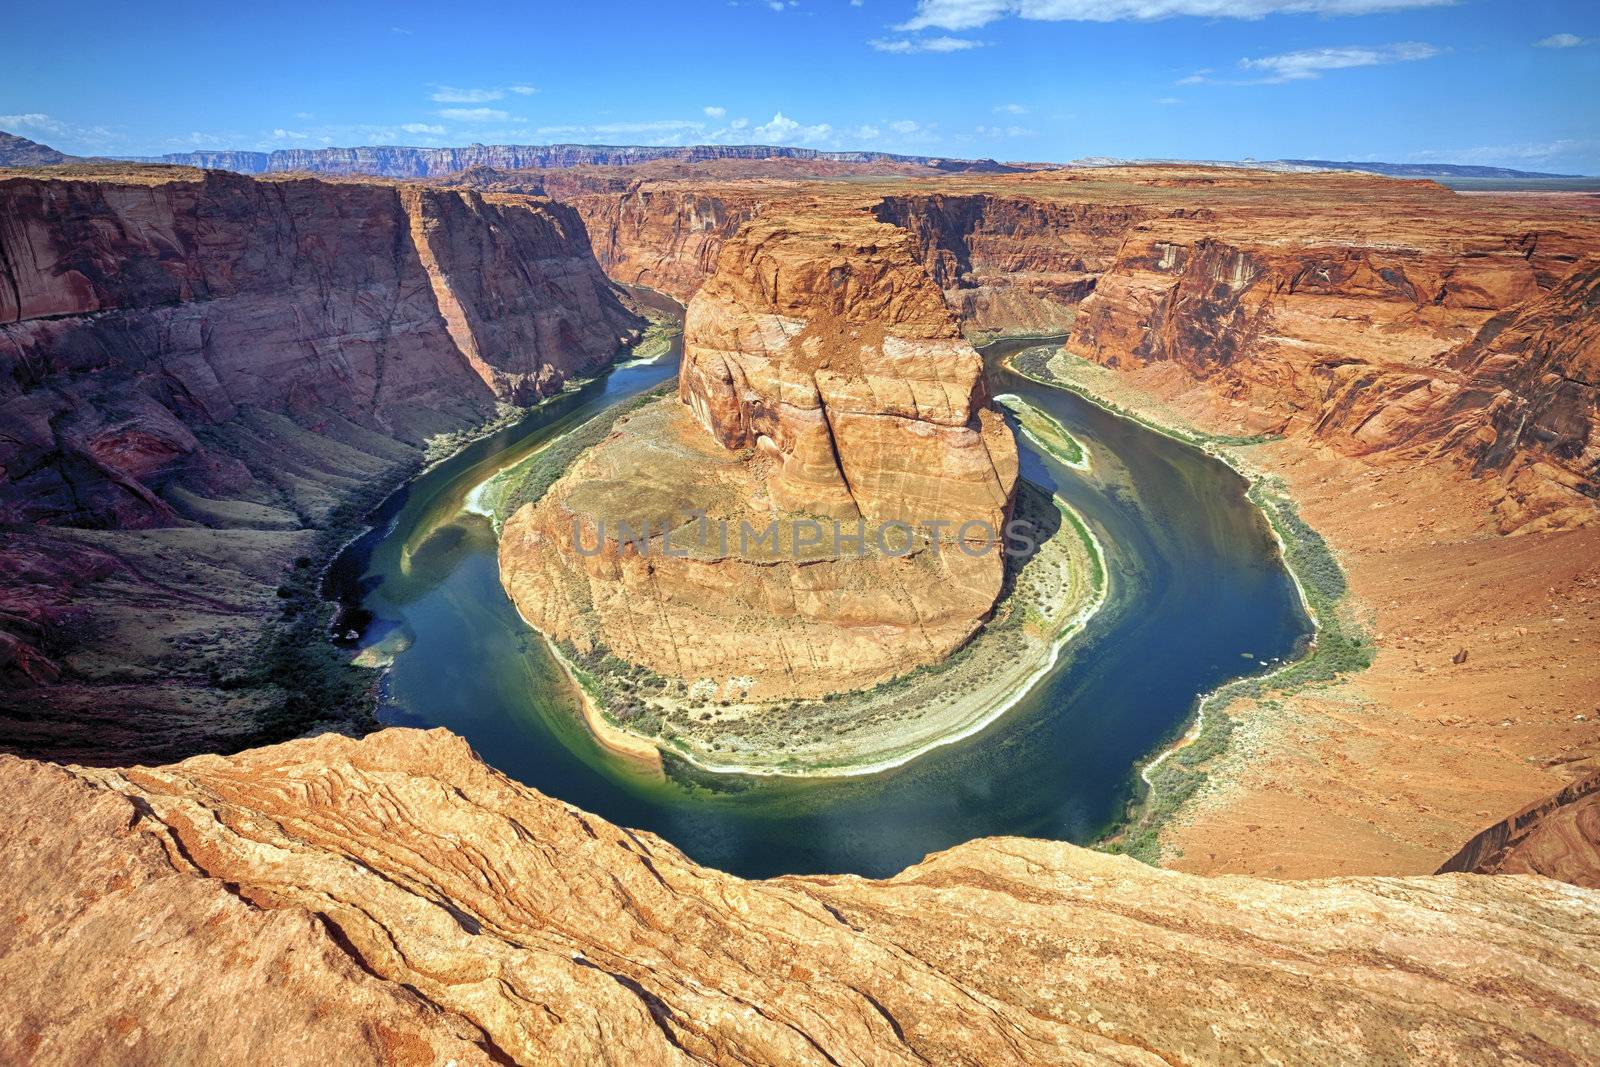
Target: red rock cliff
column 1012, row 264
column 223, row 363
column 135, row 313
column 823, row 375
column 1417, row 326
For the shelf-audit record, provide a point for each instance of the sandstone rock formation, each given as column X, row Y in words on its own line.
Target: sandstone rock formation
column 1558, row 837
column 393, row 900
column 135, row 313
column 1378, row 327
column 1357, row 309
column 226, row 363
column 666, row 236
column 830, row 385
column 819, row 342
column 1009, row 263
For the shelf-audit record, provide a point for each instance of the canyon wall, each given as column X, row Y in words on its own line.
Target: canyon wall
column 662, row 235
column 134, row 315
column 224, row 363
column 1012, row 264
column 1393, row 320
column 824, row 380
column 1558, row 837
column 392, row 900
column 1443, row 337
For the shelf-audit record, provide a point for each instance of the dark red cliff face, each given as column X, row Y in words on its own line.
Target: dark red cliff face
column 197, row 373
column 134, row 316
column 662, row 236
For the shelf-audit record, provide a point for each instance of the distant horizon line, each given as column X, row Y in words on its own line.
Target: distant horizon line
column 1288, row 164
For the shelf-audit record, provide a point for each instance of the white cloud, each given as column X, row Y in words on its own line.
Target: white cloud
column 282, row 134
column 32, row 120
column 715, row 112
column 473, row 114
column 866, row 133
column 420, row 127
column 1196, row 78
column 447, row 94
column 1169, row 101
column 196, row 139
column 784, row 129
column 401, row 30
column 970, row 14
column 1311, row 62
column 904, row 46
column 1006, row 131
column 1010, row 109
column 523, row 90
column 738, row 124
column 1564, row 40
column 905, row 127
column 95, row 138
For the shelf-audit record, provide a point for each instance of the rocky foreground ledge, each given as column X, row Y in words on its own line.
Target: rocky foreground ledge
column 393, row 900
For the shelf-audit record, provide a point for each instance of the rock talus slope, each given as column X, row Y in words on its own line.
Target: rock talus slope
column 824, row 381
column 394, row 901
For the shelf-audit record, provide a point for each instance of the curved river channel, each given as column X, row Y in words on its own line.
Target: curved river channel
column 1197, row 583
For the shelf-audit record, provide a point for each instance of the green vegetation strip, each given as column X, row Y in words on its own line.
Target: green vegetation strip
column 527, row 482
column 1043, row 430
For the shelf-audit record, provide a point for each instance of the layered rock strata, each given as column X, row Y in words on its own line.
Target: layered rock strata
column 1429, row 339
column 391, row 161
column 824, row 382
column 222, row 364
column 1012, row 264
column 1558, row 837
column 1363, row 311
column 393, row 900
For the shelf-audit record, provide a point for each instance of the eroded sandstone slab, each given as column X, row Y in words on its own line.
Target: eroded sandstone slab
column 393, row 900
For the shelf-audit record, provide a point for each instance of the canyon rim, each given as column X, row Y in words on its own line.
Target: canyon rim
column 871, row 585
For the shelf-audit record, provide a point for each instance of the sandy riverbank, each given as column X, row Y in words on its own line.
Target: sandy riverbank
column 1389, row 769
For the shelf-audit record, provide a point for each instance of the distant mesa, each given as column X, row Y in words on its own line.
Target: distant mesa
column 387, row 161
column 1425, row 170
column 398, row 161
column 20, row 152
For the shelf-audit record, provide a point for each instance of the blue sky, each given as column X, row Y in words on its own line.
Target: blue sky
column 1509, row 82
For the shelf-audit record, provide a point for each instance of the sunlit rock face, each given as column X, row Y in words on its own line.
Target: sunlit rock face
column 821, row 341
column 825, row 381
column 393, row 900
column 1398, row 324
